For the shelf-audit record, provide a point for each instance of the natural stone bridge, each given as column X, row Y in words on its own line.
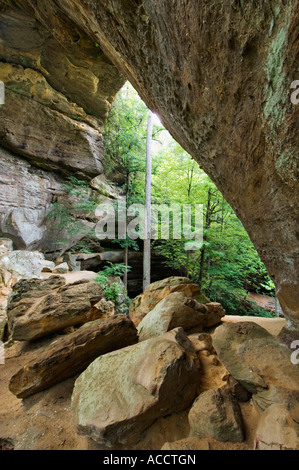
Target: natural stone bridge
column 218, row 73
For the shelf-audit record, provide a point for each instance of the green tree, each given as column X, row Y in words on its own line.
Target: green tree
column 125, row 139
column 227, row 265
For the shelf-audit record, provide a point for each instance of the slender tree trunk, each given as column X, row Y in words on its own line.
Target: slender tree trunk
column 148, row 196
column 126, row 262
column 126, row 248
column 201, row 266
column 203, row 250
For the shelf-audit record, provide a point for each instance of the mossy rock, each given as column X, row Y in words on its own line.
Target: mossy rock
column 157, row 291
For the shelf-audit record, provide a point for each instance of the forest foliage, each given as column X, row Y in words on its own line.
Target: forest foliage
column 227, row 266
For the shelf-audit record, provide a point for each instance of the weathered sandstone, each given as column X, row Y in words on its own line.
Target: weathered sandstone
column 70, row 355
column 122, row 393
column 39, row 307
column 58, row 92
column 277, row 430
column 155, row 292
column 216, row 414
column 178, row 310
column 259, row 362
column 219, row 75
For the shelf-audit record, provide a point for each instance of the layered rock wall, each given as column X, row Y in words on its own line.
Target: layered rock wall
column 219, row 75
column 58, row 92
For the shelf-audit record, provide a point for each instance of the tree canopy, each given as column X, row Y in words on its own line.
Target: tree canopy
column 227, row 266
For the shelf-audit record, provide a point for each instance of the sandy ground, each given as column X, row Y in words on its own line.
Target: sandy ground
column 44, row 421
column 273, row 325
column 72, row 276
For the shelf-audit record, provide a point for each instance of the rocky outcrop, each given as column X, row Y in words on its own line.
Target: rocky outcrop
column 226, row 100
column 37, row 308
column 15, row 265
column 26, row 199
column 23, row 264
column 122, row 393
column 58, row 92
column 179, row 310
column 216, row 414
column 155, row 292
column 70, row 355
column 277, row 430
column 26, row 195
column 259, row 362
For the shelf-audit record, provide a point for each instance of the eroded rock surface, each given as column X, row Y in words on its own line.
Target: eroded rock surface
column 58, row 92
column 178, row 310
column 39, row 307
column 216, row 414
column 157, row 291
column 122, row 393
column 219, row 76
column 70, row 355
column 277, row 430
column 259, row 362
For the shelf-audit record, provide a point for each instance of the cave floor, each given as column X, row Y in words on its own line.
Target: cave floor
column 44, row 421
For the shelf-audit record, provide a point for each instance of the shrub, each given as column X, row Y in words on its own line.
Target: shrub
column 114, row 270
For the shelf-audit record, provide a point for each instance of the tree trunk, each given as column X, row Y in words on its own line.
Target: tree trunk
column 126, row 262
column 203, row 250
column 148, row 195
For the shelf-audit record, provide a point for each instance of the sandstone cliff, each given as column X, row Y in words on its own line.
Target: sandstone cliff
column 58, row 92
column 219, row 75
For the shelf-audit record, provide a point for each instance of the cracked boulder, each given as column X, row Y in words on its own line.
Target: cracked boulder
column 71, row 354
column 259, row 362
column 38, row 308
column 216, row 414
column 122, row 393
column 179, row 310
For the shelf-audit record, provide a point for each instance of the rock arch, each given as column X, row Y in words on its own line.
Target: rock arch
column 219, row 74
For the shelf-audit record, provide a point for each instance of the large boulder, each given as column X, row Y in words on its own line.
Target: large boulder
column 178, row 310
column 71, row 354
column 122, row 393
column 23, row 264
column 227, row 101
column 216, row 414
column 39, row 307
column 158, row 290
column 277, row 430
column 258, row 361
